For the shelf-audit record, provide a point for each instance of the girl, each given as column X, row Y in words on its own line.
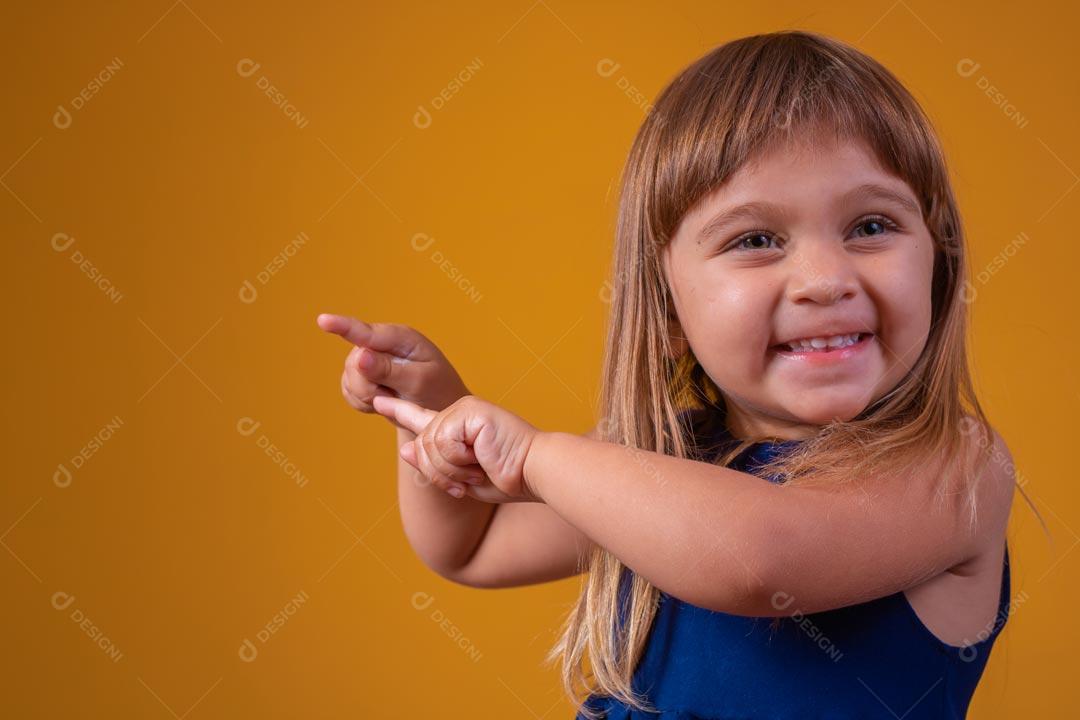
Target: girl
column 789, row 428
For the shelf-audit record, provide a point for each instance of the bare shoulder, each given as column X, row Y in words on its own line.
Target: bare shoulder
column 959, row 605
column 995, row 486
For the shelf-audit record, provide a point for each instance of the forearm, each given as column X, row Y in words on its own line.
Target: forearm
column 443, row 530
column 688, row 527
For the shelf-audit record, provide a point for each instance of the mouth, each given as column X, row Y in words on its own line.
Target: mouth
column 837, row 347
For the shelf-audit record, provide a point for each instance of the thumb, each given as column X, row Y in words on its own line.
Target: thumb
column 407, row 414
column 378, row 367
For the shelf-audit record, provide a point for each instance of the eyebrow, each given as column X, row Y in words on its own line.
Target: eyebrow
column 760, row 208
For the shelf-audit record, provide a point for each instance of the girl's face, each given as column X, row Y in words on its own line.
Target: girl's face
column 809, row 242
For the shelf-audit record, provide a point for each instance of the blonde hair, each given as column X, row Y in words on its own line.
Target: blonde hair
column 739, row 100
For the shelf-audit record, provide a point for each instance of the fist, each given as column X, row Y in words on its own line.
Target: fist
column 473, row 443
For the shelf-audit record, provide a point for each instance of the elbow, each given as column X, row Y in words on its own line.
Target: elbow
column 740, row 581
column 748, row 575
column 459, row 576
column 470, row 576
column 736, row 594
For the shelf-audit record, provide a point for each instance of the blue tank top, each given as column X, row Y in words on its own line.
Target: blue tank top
column 870, row 660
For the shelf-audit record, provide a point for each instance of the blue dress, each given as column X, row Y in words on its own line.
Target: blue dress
column 871, row 660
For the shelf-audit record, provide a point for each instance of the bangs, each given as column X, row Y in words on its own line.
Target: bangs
column 747, row 98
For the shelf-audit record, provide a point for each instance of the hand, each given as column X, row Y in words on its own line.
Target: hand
column 473, row 444
column 393, row 361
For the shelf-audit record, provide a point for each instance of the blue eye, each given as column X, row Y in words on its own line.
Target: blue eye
column 870, row 226
column 754, row 235
column 881, row 224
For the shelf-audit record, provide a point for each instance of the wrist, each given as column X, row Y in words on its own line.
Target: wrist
column 531, row 476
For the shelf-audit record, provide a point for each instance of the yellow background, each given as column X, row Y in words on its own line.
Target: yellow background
column 178, row 180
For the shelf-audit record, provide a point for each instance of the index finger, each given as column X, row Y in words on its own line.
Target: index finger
column 407, row 414
column 385, row 337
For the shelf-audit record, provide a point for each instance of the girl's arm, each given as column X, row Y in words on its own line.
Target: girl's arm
column 485, row 545
column 731, row 541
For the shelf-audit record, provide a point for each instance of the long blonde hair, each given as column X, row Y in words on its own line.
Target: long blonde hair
column 740, row 99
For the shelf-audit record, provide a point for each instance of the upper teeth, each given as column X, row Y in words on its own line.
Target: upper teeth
column 820, row 343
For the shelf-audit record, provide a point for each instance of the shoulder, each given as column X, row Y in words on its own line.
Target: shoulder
column 994, row 484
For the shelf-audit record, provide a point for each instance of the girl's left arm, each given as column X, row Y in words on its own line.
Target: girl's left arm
column 733, row 542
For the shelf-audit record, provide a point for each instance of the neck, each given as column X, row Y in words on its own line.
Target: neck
column 742, row 424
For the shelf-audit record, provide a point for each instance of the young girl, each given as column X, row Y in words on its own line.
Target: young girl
column 788, row 429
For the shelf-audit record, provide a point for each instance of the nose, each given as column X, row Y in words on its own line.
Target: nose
column 822, row 273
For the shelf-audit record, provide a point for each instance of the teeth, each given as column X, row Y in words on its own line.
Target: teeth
column 823, row 344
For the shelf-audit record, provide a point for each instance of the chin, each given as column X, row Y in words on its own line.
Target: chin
column 836, row 409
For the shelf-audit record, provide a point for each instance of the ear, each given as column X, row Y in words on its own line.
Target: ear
column 679, row 344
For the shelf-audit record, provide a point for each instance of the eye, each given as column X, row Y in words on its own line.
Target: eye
column 875, row 225
column 759, row 238
column 870, row 226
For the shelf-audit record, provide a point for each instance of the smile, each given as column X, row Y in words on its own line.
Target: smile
column 825, row 349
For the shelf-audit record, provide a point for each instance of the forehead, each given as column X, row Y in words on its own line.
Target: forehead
column 812, row 169
column 809, row 155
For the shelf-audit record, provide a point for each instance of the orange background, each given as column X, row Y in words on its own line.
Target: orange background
column 135, row 222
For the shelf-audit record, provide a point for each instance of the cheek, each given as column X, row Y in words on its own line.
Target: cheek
column 903, row 288
column 729, row 323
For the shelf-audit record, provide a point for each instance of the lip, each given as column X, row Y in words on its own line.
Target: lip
column 826, row 357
